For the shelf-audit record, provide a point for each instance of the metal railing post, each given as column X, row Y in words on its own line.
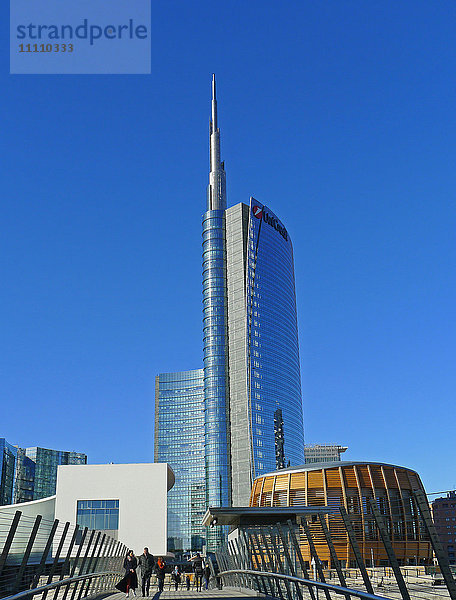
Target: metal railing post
column 220, row 562
column 225, row 558
column 235, row 561
column 99, row 559
column 84, row 558
column 288, row 557
column 356, row 550
column 42, row 564
column 279, row 562
column 89, row 568
column 332, row 552
column 57, row 556
column 28, row 550
column 240, row 560
column 263, row 562
column 389, row 549
column 9, row 539
column 76, row 560
column 298, row 553
column 254, row 553
column 270, row 559
column 105, row 563
column 244, row 547
column 313, row 552
column 66, row 562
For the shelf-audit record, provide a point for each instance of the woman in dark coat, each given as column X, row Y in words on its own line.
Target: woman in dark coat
column 160, row 570
column 130, row 580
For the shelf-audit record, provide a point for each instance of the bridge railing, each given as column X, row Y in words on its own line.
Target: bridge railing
column 268, row 557
column 263, row 581
column 39, row 556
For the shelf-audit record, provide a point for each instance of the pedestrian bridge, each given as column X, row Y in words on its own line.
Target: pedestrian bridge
column 263, row 558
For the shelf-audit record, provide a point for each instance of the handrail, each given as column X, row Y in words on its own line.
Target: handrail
column 50, row 586
column 308, row 582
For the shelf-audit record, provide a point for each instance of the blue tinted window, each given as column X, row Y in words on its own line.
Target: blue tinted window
column 95, row 514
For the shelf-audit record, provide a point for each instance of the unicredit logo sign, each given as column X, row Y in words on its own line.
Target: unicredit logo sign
column 257, row 211
column 270, row 220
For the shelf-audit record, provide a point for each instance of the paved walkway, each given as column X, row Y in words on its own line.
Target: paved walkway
column 224, row 594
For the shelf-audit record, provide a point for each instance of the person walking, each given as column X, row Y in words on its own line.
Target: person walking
column 130, row 579
column 176, row 577
column 207, row 575
column 160, row 570
column 146, row 566
column 198, row 570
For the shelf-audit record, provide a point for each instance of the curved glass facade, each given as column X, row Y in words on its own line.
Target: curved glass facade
column 215, row 359
column 273, row 378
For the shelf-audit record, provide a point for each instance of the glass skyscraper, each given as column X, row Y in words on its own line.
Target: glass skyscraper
column 8, row 455
column 46, row 463
column 31, row 473
column 266, row 422
column 251, row 384
column 179, row 441
column 25, row 477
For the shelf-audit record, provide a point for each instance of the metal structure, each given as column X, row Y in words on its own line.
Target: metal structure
column 38, row 556
column 265, row 554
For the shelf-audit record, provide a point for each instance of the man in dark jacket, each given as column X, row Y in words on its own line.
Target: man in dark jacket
column 198, row 569
column 146, row 566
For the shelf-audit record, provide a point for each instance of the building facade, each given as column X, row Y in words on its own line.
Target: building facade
column 24, row 490
column 444, row 514
column 252, row 383
column 179, row 441
column 46, row 463
column 8, row 457
column 28, row 474
column 127, row 502
column 352, row 485
column 251, row 374
column 319, row 453
column 265, row 403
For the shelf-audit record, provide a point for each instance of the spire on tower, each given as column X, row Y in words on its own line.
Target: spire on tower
column 216, row 191
column 214, row 105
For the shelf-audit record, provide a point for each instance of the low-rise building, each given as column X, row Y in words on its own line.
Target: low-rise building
column 319, row 453
column 444, row 515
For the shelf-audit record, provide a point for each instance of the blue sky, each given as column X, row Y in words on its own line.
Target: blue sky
column 339, row 115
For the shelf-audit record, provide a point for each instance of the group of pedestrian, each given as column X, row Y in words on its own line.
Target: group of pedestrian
column 148, row 566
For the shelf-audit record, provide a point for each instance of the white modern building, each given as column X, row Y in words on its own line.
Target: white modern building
column 127, row 502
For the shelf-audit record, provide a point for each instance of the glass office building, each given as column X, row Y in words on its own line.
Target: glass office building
column 31, row 473
column 8, row 455
column 179, row 441
column 266, row 421
column 25, row 477
column 46, row 463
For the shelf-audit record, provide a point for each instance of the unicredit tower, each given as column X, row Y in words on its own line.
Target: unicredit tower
column 247, row 399
column 252, row 385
